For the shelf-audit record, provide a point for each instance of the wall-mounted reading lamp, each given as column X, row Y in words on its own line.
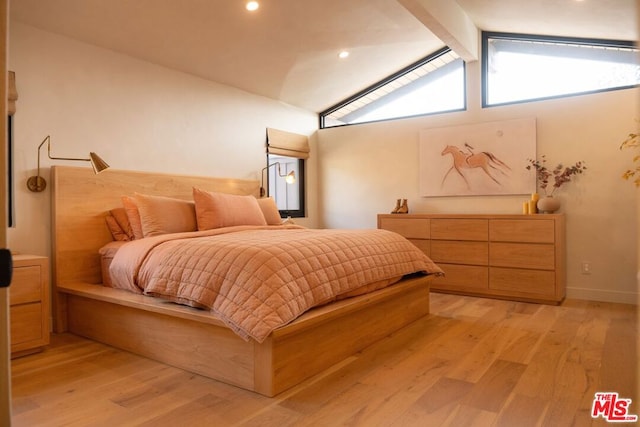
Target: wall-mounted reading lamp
column 38, row 183
column 290, row 178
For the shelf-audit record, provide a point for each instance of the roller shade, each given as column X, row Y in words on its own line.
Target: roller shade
column 12, row 94
column 287, row 144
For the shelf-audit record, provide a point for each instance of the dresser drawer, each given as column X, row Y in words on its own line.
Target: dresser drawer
column 459, row 229
column 533, row 282
column 26, row 285
column 423, row 245
column 522, row 255
column 531, row 231
column 462, row 277
column 455, row 252
column 416, row 228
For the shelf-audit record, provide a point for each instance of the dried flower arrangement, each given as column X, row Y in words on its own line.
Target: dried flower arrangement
column 632, row 142
column 560, row 173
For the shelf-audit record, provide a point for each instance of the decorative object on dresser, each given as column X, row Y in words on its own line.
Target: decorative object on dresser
column 402, row 207
column 519, row 257
column 548, row 205
column 531, row 206
column 29, row 304
column 560, row 174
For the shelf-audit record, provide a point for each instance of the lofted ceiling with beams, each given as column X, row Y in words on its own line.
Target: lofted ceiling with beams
column 288, row 49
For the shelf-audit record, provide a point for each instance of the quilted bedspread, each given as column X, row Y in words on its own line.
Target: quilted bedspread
column 257, row 278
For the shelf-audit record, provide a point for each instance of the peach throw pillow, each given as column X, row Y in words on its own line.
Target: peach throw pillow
column 120, row 215
column 270, row 210
column 164, row 215
column 216, row 210
column 117, row 233
column 133, row 215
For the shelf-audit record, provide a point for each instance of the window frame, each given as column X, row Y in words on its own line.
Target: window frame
column 486, row 35
column 397, row 75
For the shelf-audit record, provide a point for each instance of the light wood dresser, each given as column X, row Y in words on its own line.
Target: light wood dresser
column 519, row 257
column 29, row 304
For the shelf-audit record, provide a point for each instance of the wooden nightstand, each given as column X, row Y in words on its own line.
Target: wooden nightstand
column 29, row 304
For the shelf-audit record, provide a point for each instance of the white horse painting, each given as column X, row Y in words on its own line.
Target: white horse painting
column 480, row 159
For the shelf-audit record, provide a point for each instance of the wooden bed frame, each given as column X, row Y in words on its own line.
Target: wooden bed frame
column 192, row 339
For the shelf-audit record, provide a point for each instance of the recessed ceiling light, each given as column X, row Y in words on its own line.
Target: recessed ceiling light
column 252, row 5
column 343, row 54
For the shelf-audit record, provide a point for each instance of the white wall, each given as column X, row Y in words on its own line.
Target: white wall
column 365, row 168
column 136, row 116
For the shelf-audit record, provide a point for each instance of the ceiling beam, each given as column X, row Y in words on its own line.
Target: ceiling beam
column 449, row 22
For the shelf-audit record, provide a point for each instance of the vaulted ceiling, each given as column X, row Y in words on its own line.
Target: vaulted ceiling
column 288, row 49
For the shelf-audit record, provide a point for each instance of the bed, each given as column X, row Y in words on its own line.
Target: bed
column 189, row 337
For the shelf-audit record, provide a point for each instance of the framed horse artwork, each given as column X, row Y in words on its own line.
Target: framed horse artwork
column 478, row 159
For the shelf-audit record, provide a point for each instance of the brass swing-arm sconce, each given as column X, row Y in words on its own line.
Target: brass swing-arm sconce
column 290, row 177
column 37, row 183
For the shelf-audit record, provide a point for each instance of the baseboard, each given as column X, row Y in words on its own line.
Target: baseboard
column 603, row 295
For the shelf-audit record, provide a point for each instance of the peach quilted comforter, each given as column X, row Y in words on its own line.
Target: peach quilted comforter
column 257, row 278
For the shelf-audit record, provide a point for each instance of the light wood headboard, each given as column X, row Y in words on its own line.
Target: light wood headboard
column 81, row 200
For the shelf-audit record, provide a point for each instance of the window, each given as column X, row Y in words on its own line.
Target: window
column 289, row 197
column 286, row 153
column 518, row 68
column 432, row 85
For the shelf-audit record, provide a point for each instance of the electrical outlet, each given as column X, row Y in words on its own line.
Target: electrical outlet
column 586, row 267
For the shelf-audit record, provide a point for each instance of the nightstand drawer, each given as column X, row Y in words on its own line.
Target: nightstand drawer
column 26, row 285
column 29, row 304
column 26, row 325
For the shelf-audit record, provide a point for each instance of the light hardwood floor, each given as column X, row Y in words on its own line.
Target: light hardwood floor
column 472, row 362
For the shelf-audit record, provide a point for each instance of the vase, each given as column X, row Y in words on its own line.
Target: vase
column 548, row 204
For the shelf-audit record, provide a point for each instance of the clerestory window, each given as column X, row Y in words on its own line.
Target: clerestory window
column 432, row 85
column 520, row 68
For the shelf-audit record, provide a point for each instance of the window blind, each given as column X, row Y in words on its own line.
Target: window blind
column 287, row 144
